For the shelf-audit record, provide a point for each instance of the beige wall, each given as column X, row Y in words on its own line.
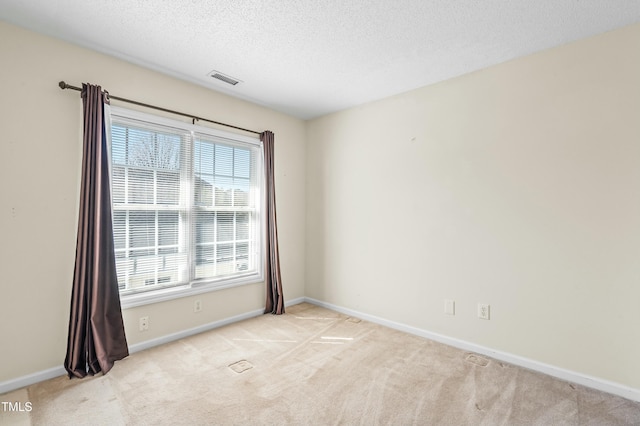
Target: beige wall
column 518, row 186
column 40, row 155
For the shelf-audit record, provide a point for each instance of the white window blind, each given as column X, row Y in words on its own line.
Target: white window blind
column 186, row 205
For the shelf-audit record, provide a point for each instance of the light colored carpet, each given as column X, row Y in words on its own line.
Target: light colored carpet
column 313, row 366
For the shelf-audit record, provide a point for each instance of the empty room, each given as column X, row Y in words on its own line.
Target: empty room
column 297, row 212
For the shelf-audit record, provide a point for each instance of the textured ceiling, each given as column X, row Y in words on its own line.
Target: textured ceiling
column 308, row 58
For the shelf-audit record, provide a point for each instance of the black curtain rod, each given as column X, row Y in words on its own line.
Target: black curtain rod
column 64, row 85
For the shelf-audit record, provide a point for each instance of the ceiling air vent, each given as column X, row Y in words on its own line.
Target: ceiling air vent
column 222, row 77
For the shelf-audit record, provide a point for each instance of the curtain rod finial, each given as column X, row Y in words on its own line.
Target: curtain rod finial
column 62, row 85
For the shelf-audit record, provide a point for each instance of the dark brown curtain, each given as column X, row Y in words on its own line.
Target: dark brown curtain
column 275, row 299
column 96, row 330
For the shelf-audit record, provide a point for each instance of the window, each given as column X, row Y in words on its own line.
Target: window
column 186, row 207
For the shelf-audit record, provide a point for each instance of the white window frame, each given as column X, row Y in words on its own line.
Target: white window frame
column 195, row 287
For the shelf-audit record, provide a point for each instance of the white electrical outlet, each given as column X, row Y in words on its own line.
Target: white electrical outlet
column 483, row 311
column 144, row 323
column 449, row 307
column 197, row 305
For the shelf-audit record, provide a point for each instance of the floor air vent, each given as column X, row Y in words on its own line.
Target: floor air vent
column 240, row 366
column 477, row 360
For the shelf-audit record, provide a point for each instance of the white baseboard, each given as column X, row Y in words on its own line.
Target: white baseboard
column 295, row 301
column 30, row 379
column 571, row 376
column 147, row 344
column 560, row 373
column 202, row 328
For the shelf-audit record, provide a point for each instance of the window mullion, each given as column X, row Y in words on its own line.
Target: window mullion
column 216, row 217
column 214, row 243
column 187, row 204
column 235, row 242
column 127, row 225
column 127, row 241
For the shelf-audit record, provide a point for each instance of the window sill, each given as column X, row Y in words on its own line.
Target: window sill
column 163, row 295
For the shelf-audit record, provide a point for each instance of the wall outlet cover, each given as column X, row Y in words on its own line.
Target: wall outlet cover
column 484, row 311
column 449, row 307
